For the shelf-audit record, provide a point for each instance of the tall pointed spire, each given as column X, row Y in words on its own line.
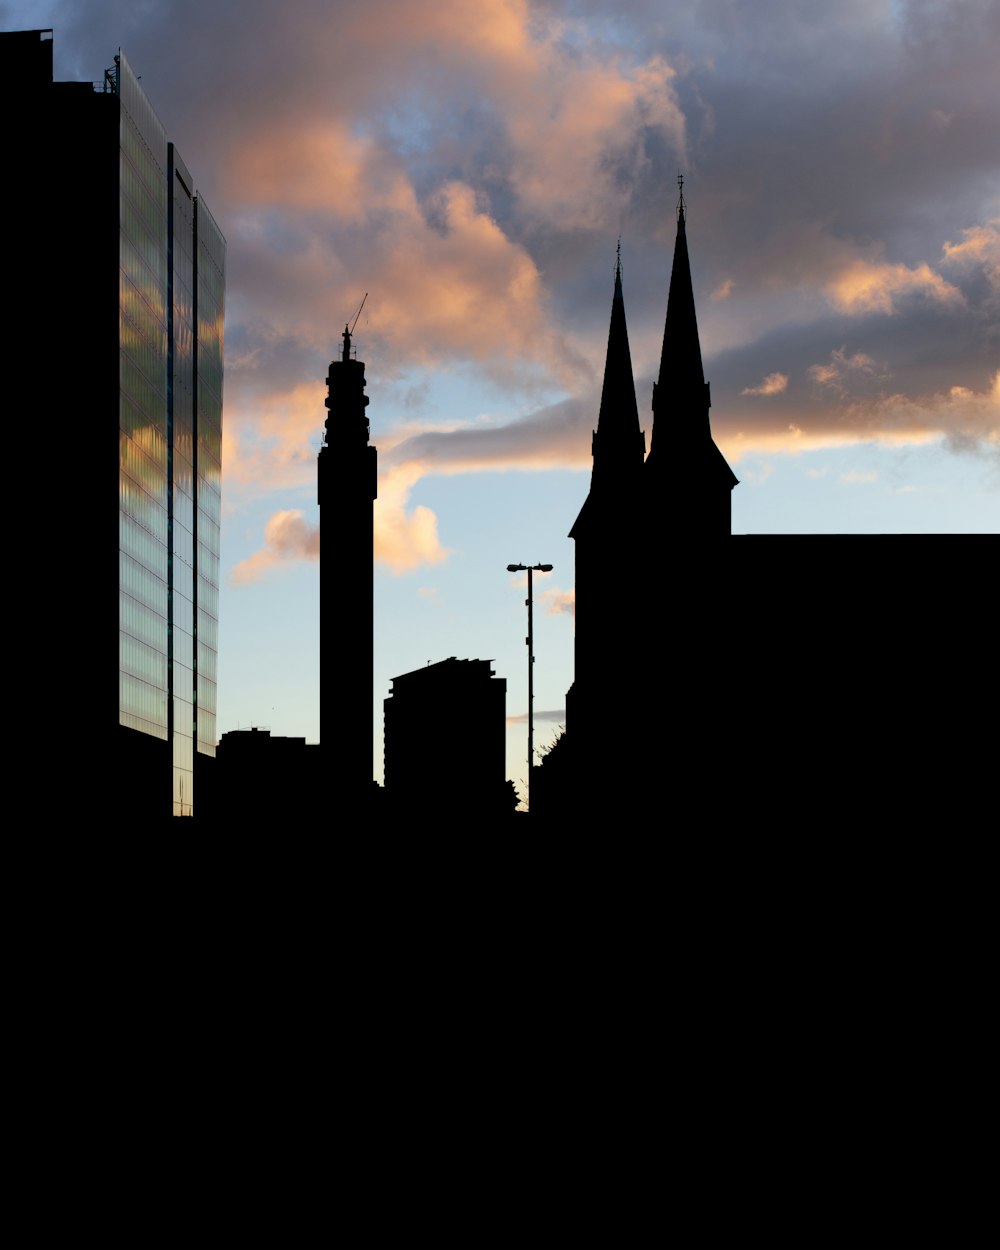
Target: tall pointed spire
column 609, row 552
column 683, row 457
column 680, row 386
column 619, row 445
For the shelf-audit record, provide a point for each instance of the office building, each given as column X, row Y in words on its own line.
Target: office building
column 117, row 282
column 430, row 769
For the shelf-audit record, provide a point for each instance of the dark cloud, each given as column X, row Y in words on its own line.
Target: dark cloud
column 554, row 436
column 475, row 175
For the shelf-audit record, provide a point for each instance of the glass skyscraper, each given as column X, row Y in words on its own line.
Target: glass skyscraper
column 126, row 292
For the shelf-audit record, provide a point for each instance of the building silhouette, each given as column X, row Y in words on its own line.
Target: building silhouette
column 824, row 671
column 116, row 288
column 428, row 767
column 609, row 547
column 347, row 488
column 687, row 483
column 647, row 543
column 264, row 782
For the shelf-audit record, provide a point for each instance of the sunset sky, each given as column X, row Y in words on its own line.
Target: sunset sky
column 471, row 166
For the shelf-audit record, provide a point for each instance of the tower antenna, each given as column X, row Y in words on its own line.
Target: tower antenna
column 355, row 321
column 680, row 185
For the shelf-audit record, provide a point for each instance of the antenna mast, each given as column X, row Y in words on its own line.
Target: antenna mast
column 355, row 321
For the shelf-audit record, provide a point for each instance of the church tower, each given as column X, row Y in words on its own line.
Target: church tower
column 652, row 585
column 347, row 490
column 608, row 555
column 688, row 482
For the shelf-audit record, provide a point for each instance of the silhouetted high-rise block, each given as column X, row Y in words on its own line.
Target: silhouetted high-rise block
column 115, row 285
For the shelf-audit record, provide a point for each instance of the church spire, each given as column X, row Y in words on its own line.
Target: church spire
column 680, row 396
column 619, row 445
column 682, row 453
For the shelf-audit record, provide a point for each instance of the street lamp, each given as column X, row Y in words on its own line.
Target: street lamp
column 529, row 569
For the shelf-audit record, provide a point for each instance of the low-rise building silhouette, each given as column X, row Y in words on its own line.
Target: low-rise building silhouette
column 263, row 781
column 429, row 767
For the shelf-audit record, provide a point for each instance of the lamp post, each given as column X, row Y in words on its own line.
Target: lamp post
column 529, row 569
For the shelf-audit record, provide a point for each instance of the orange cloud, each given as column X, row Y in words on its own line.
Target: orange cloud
column 313, row 166
column 270, row 441
column 287, row 538
column 571, row 169
column 968, row 420
column 465, row 289
column 980, row 246
column 404, row 540
column 864, row 287
column 773, row 384
column 557, row 602
column 793, row 440
column 840, row 367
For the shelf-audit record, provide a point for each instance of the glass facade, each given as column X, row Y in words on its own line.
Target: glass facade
column 171, row 306
column 143, row 434
column 210, row 306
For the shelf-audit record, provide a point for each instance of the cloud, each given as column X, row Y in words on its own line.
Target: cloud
column 553, row 716
column 969, row 421
column 270, row 439
column 758, row 474
column 462, row 288
column 979, row 248
column 319, row 165
column 578, row 167
column 287, row 538
column 793, row 440
column 401, row 198
column 444, row 280
column 863, row 287
column 559, row 601
column 404, row 540
column 965, row 420
column 557, row 436
column 773, row 384
column 471, row 175
column 855, row 477
column 841, row 367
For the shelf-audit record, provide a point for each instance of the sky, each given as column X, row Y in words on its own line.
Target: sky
column 466, row 168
